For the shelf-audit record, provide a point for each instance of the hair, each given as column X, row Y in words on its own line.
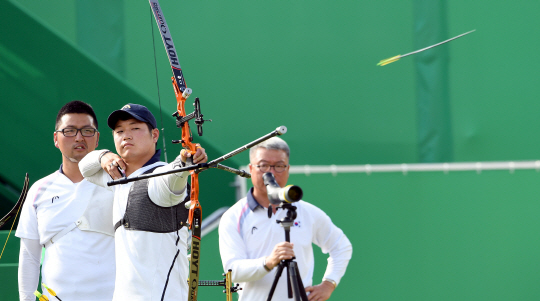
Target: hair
column 76, row 107
column 272, row 143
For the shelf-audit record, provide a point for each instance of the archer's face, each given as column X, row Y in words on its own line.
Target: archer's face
column 133, row 140
column 75, row 148
column 268, row 157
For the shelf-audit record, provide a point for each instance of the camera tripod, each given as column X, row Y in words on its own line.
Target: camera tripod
column 293, row 280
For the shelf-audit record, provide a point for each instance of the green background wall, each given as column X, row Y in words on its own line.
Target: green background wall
column 434, row 236
column 310, row 65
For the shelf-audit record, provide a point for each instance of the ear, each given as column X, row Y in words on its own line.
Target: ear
column 155, row 135
column 55, row 138
column 97, row 139
column 250, row 168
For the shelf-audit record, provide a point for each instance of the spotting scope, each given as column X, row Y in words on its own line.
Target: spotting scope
column 277, row 194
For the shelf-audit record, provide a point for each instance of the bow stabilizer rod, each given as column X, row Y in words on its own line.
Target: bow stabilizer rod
column 277, row 132
column 226, row 283
column 212, row 164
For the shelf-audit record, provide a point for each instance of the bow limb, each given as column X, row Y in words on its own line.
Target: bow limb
column 14, row 212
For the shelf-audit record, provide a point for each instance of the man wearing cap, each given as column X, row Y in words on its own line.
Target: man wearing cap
column 71, row 218
column 149, row 215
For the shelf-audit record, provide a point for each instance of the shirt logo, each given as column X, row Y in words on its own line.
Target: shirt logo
column 297, row 224
column 54, row 198
column 253, row 229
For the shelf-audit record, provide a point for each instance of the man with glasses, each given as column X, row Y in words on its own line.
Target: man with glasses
column 252, row 245
column 71, row 218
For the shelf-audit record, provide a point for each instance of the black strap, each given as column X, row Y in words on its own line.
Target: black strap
column 118, row 224
column 144, row 215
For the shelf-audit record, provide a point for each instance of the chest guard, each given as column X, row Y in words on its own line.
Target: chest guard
column 96, row 217
column 144, row 215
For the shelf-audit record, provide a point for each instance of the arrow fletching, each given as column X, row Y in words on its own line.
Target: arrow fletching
column 53, row 293
column 40, row 296
column 389, row 60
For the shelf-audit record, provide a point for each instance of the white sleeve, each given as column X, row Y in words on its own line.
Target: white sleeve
column 233, row 253
column 332, row 240
column 29, row 263
column 28, row 225
column 168, row 190
column 91, row 170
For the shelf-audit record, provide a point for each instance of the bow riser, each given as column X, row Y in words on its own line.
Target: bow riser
column 181, row 98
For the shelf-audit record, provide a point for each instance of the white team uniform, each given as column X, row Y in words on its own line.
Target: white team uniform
column 247, row 236
column 80, row 265
column 143, row 259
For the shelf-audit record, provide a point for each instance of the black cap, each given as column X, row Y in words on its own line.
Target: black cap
column 131, row 110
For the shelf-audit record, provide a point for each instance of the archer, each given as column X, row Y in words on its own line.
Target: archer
column 149, row 215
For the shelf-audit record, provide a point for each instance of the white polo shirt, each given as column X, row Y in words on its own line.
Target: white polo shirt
column 247, row 236
column 143, row 259
column 80, row 265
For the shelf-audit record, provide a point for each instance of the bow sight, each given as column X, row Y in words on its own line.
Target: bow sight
column 180, row 120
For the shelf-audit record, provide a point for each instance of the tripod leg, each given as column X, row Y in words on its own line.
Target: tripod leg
column 289, row 285
column 298, row 286
column 276, row 279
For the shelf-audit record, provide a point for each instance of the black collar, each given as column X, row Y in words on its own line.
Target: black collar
column 252, row 202
column 154, row 159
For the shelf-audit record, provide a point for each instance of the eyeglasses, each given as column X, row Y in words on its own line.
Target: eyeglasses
column 277, row 168
column 70, row 132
